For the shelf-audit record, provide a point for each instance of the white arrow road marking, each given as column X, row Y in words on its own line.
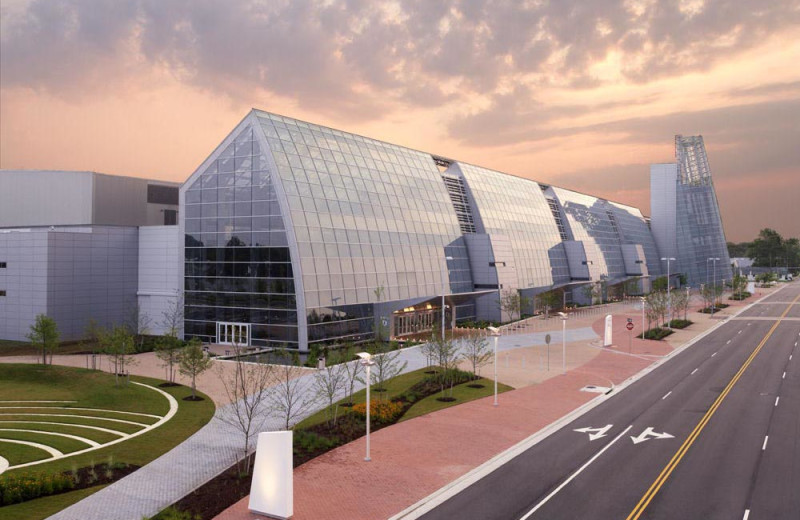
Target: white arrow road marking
column 598, row 432
column 578, row 472
column 648, row 434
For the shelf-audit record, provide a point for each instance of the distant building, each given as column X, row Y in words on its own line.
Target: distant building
column 69, row 246
column 685, row 217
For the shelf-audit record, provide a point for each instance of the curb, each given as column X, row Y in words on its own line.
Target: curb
column 453, row 488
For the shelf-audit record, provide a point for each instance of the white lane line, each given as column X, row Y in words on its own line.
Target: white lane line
column 38, row 401
column 776, row 400
column 49, row 449
column 73, row 425
column 728, row 343
column 571, row 477
column 693, row 371
column 746, row 514
column 714, row 354
column 84, row 440
column 739, row 332
column 666, row 395
column 78, row 416
column 74, row 408
column 764, row 446
column 783, row 376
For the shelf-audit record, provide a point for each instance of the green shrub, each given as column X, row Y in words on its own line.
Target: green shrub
column 171, row 513
column 657, row 333
column 14, row 489
column 679, row 323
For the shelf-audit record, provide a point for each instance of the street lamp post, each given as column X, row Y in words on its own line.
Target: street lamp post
column 643, row 302
column 495, row 334
column 366, row 360
column 669, row 300
column 444, row 277
column 564, row 318
column 714, row 291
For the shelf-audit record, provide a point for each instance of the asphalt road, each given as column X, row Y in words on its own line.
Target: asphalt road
column 713, row 433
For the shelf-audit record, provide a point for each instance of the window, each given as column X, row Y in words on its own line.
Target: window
column 2, row 293
column 2, row 265
column 170, row 217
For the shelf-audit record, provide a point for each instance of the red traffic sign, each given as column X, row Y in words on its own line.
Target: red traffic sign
column 629, row 326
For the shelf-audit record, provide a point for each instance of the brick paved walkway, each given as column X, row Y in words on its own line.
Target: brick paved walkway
column 412, row 459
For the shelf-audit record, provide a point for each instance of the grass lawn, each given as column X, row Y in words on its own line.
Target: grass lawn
column 45, row 506
column 402, row 383
column 22, row 348
column 463, row 393
column 89, row 389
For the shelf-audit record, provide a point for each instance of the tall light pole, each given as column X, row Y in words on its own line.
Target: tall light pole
column 643, row 301
column 444, row 277
column 669, row 300
column 714, row 291
column 366, row 360
column 564, row 318
column 495, row 334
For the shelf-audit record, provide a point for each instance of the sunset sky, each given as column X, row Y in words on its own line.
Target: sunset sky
column 581, row 94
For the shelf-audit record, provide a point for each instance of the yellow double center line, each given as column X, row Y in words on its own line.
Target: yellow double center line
column 673, row 463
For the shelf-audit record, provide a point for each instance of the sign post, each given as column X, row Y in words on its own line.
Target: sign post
column 629, row 326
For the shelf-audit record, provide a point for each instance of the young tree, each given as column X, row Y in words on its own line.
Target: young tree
column 291, row 396
column 679, row 301
column 447, row 356
column 119, row 345
column 168, row 351
column 247, row 388
column 44, row 334
column 548, row 301
column 328, row 382
column 387, row 365
column 660, row 284
column 172, row 317
column 193, row 362
column 476, row 351
column 510, row 303
column 739, row 283
column 591, row 292
column 138, row 322
column 352, row 369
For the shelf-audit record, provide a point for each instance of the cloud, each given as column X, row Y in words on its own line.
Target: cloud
column 362, row 59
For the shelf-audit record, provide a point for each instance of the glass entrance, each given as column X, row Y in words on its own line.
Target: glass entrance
column 233, row 334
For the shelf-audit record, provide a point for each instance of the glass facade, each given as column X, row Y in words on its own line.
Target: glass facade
column 373, row 222
column 297, row 233
column 237, row 263
column 517, row 208
column 633, row 229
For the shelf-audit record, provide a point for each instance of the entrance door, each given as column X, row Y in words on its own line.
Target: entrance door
column 233, row 334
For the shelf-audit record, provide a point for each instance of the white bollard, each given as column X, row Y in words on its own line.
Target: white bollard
column 272, row 488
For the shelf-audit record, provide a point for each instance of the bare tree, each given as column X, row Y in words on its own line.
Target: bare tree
column 247, row 389
column 138, row 323
column 387, row 365
column 328, row 382
column 352, row 369
column 290, row 397
column 476, row 351
column 172, row 317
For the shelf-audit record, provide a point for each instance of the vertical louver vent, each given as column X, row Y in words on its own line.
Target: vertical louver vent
column 458, row 196
column 613, row 220
column 557, row 217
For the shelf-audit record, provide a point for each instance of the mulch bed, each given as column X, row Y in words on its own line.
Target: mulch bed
column 223, row 491
column 103, row 474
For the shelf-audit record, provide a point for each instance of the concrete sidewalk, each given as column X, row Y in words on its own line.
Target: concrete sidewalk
column 413, row 459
